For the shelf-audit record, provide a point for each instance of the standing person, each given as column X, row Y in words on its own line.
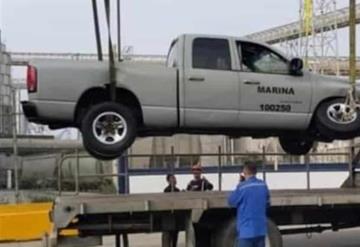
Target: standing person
column 171, row 180
column 251, row 198
column 170, row 238
column 199, row 183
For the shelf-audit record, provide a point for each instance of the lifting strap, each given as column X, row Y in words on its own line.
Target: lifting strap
column 112, row 70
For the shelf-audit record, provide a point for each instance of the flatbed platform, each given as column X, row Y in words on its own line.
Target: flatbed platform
column 66, row 208
column 203, row 215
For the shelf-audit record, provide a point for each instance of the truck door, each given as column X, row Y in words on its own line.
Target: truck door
column 211, row 86
column 269, row 96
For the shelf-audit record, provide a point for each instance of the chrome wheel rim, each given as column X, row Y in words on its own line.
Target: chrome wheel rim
column 109, row 128
column 341, row 113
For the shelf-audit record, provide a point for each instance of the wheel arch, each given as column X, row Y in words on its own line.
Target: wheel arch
column 97, row 95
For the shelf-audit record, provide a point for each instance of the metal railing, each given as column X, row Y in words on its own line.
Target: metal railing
column 171, row 169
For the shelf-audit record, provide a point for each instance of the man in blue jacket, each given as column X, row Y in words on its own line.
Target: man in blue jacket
column 251, row 198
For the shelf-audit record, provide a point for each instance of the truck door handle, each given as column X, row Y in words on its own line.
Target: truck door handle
column 252, row 83
column 195, row 78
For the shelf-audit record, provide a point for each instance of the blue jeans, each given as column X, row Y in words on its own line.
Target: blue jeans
column 252, row 242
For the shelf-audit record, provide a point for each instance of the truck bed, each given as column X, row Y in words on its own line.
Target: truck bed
column 67, row 208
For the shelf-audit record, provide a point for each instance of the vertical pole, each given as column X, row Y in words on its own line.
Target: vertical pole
column 301, row 27
column 126, row 169
column 352, row 39
column 352, row 34
column 276, row 162
column 264, row 163
column 307, row 163
column 59, row 173
column 117, row 240
column 322, row 42
column 77, row 173
column 337, row 42
column 123, row 173
column 220, row 169
column 125, row 240
column 15, row 146
column 351, row 166
column 9, row 182
column 232, row 146
column 173, row 160
column 306, row 26
column 119, row 29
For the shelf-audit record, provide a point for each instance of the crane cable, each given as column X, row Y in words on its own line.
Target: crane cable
column 97, row 30
column 112, row 69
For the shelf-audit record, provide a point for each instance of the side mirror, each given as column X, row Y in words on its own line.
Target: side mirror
column 296, row 66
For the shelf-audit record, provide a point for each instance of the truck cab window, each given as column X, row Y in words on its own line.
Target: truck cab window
column 172, row 59
column 260, row 59
column 211, row 54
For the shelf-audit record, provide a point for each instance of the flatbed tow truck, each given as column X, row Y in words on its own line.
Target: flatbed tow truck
column 205, row 217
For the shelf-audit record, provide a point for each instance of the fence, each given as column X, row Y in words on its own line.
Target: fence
column 264, row 168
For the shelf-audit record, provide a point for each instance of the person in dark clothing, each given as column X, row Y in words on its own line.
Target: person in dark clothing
column 171, row 179
column 170, row 238
column 251, row 198
column 199, row 183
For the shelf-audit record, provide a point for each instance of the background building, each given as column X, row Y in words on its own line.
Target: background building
column 5, row 91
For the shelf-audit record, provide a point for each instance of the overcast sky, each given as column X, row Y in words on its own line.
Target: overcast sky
column 148, row 25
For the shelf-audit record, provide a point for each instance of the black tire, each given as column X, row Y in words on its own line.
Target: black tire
column 328, row 127
column 296, row 146
column 100, row 156
column 226, row 236
column 109, row 148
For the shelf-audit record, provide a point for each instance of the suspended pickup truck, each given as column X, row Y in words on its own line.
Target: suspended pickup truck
column 209, row 85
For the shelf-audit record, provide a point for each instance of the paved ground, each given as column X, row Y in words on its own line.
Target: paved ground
column 349, row 238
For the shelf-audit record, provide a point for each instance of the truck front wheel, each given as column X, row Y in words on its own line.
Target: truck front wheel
column 108, row 129
column 337, row 120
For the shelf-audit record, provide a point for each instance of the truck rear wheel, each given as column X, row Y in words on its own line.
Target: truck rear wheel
column 108, row 129
column 337, row 120
column 296, row 146
column 226, row 236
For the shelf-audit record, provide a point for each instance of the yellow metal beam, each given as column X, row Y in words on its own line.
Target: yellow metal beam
column 306, row 21
column 308, row 16
column 26, row 222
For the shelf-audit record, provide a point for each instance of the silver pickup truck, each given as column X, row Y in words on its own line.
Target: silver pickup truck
column 209, row 85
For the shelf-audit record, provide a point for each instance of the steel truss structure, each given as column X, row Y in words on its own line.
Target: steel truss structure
column 292, row 31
